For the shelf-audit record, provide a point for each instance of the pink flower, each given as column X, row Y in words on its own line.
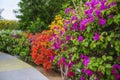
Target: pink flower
column 102, row 21
column 80, row 38
column 67, row 10
column 96, row 37
column 71, row 73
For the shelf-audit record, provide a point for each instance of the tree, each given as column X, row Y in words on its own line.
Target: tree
column 37, row 14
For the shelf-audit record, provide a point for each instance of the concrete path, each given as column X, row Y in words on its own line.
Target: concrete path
column 12, row 68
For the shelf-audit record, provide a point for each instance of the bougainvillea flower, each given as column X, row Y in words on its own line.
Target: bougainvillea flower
column 100, row 73
column 111, row 16
column 74, row 17
column 96, row 37
column 91, row 19
column 82, row 27
column 68, row 38
column 74, row 26
column 80, row 38
column 67, row 10
column 71, row 73
column 52, row 58
column 56, row 45
column 87, row 3
column 85, row 58
column 111, row 4
column 82, row 78
column 102, row 21
column 89, row 72
column 66, row 22
column 86, row 61
column 98, row 13
column 96, row 79
column 94, row 3
column 89, row 12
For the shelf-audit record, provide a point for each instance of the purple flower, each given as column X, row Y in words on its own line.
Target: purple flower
column 89, row 12
column 85, row 58
column 111, row 16
column 117, row 77
column 74, row 18
column 61, row 33
column 56, row 45
column 87, row 3
column 66, row 22
column 80, row 38
column 103, row 7
column 111, row 4
column 96, row 79
column 89, row 72
column 65, row 28
column 94, row 3
column 71, row 73
column 68, row 38
column 74, row 26
column 67, row 10
column 98, row 13
column 82, row 78
column 116, row 66
column 96, row 37
column 82, row 27
column 102, row 21
column 86, row 61
column 52, row 58
column 91, row 19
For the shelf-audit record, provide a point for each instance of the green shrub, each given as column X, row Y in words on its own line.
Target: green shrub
column 8, row 24
column 15, row 42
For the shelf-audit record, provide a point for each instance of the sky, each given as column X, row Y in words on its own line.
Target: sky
column 9, row 6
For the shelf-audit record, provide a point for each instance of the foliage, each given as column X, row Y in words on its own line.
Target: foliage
column 38, row 14
column 89, row 47
column 8, row 24
column 15, row 43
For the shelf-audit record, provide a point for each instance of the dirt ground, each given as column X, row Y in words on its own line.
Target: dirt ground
column 51, row 75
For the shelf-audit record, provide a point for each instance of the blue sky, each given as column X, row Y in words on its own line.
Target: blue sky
column 9, row 6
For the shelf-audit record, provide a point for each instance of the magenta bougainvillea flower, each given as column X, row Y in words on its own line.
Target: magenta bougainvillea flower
column 52, row 58
column 67, row 10
column 80, row 38
column 115, row 69
column 98, row 13
column 56, row 45
column 89, row 12
column 102, row 21
column 86, row 61
column 96, row 37
column 82, row 78
column 74, row 26
column 74, row 17
column 85, row 58
column 68, row 38
column 87, row 71
column 71, row 73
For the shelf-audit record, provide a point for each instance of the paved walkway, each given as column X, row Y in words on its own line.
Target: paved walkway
column 12, row 68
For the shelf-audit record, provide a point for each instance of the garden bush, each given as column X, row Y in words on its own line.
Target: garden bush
column 15, row 43
column 89, row 49
column 8, row 24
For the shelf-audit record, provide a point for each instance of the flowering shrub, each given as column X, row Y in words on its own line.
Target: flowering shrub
column 89, row 47
column 16, row 43
column 40, row 49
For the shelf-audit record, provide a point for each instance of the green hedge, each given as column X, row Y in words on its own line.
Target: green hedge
column 15, row 42
column 8, row 24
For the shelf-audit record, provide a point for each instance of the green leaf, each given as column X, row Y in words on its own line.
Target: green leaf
column 108, row 66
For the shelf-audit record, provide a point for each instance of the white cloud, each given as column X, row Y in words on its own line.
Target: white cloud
column 9, row 6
